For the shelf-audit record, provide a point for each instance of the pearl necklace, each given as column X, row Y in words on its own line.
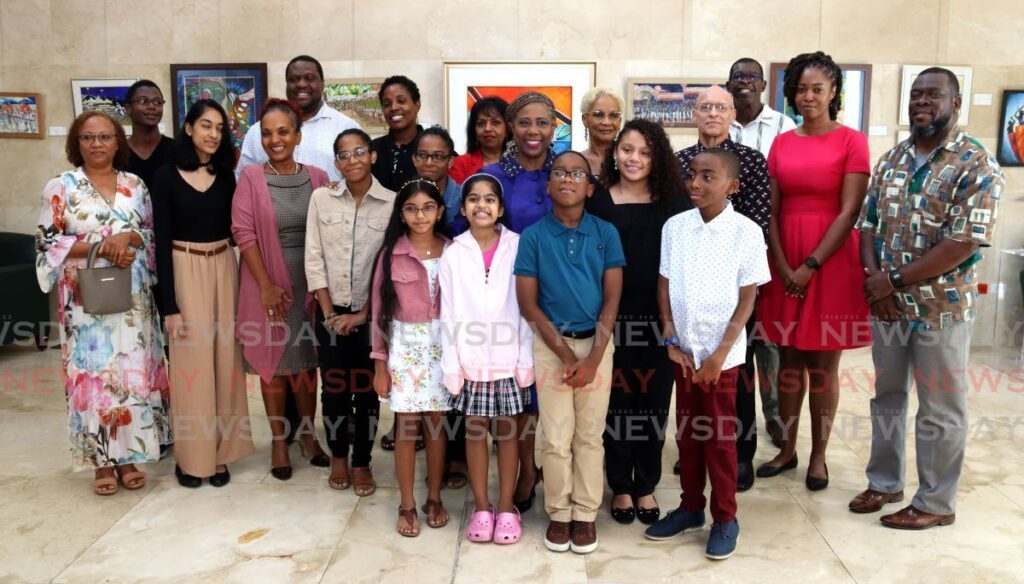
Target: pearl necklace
column 298, row 167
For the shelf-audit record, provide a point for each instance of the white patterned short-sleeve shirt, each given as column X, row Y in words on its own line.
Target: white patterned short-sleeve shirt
column 706, row 264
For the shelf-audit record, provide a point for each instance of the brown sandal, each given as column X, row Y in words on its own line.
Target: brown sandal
column 435, row 509
column 342, row 481
column 411, row 519
column 105, row 486
column 132, row 479
column 363, row 483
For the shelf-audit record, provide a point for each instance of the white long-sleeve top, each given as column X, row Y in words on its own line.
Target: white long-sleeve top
column 484, row 337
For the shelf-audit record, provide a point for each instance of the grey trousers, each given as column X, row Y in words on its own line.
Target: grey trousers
column 767, row 355
column 936, row 360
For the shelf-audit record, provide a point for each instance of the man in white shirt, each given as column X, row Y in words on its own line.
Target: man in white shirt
column 756, row 124
column 321, row 124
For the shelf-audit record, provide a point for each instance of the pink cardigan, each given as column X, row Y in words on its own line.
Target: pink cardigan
column 253, row 222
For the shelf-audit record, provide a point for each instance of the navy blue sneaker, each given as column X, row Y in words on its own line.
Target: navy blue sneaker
column 722, row 542
column 677, row 522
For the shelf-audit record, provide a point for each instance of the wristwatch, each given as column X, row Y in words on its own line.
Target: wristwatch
column 672, row 341
column 812, row 263
column 896, row 278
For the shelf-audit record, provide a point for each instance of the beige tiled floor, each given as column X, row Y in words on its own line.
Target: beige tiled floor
column 259, row 529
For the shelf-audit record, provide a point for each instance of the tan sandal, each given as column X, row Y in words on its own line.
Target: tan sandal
column 412, row 522
column 363, row 483
column 105, row 486
column 435, row 510
column 131, row 479
column 342, row 481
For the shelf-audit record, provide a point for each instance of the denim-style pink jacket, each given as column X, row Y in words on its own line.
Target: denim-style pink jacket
column 412, row 293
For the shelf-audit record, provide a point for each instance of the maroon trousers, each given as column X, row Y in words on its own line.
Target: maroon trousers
column 706, row 418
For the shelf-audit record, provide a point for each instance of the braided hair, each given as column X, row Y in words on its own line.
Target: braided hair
column 817, row 60
column 525, row 99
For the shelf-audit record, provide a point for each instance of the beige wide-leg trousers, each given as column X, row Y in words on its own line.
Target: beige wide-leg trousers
column 210, row 417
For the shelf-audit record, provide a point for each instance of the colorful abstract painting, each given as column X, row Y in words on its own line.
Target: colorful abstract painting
column 1011, row 129
column 561, row 96
column 109, row 96
column 357, row 99
column 669, row 102
column 21, row 115
column 565, row 83
column 240, row 87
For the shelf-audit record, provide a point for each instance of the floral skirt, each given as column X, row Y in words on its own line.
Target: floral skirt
column 414, row 362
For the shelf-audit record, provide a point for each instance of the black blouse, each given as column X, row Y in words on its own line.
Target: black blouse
column 639, row 226
column 182, row 213
column 145, row 168
column 394, row 163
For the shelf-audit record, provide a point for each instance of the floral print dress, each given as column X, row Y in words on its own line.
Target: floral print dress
column 114, row 370
column 414, row 361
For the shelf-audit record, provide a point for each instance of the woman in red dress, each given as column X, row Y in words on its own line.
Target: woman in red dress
column 814, row 307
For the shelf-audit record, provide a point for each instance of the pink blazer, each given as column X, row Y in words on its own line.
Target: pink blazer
column 253, row 222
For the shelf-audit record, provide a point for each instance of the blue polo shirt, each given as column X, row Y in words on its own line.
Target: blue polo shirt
column 569, row 266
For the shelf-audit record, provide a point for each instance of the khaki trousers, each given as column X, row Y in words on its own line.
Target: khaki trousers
column 572, row 422
column 210, row 418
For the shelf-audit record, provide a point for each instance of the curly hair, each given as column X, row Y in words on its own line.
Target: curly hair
column 818, row 60
column 73, row 147
column 666, row 178
column 395, row 230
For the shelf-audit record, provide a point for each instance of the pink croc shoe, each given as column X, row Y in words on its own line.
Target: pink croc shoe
column 508, row 527
column 481, row 526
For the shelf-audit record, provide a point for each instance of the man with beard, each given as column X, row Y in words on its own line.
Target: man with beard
column 930, row 206
column 321, row 124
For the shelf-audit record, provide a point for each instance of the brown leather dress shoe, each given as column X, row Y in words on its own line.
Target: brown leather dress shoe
column 911, row 517
column 870, row 500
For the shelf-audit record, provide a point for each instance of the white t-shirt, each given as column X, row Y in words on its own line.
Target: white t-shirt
column 316, row 148
column 706, row 265
column 762, row 130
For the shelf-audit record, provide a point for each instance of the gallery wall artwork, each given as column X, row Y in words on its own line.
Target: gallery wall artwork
column 1010, row 134
column 564, row 83
column 357, row 99
column 240, row 87
column 670, row 102
column 109, row 96
column 21, row 115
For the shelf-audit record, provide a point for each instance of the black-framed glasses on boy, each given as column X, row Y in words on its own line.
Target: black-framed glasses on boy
column 741, row 76
column 412, row 210
column 718, row 107
column 144, row 101
column 560, row 174
column 435, row 156
column 345, row 155
column 601, row 115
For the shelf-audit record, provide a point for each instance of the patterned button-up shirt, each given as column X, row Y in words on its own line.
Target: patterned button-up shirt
column 754, row 199
column 909, row 210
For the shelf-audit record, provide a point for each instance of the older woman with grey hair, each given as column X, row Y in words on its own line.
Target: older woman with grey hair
column 602, row 119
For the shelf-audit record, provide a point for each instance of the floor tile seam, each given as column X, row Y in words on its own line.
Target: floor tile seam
column 828, row 544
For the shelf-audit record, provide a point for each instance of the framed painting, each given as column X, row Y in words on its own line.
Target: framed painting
column 21, row 115
column 855, row 102
column 1010, row 134
column 109, row 96
column 670, row 102
column 565, row 83
column 963, row 74
column 240, row 87
column 357, row 99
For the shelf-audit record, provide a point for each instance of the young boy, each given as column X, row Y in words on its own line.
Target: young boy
column 568, row 282
column 712, row 261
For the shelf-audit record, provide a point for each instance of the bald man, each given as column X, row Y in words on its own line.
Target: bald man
column 715, row 112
